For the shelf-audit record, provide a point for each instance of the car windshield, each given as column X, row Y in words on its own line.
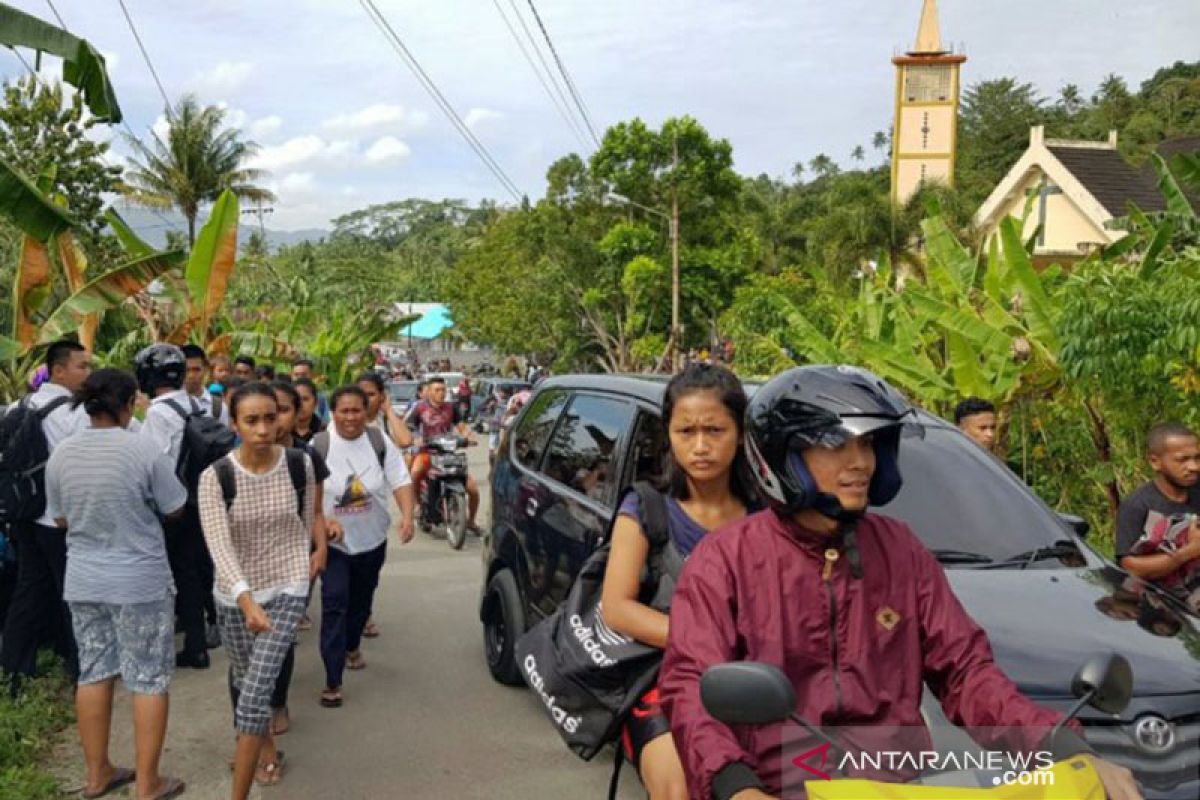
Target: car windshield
column 967, row 508
column 402, row 392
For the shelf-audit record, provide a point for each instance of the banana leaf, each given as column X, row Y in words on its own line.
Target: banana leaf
column 31, row 289
column 809, row 340
column 1162, row 238
column 1187, row 167
column 252, row 343
column 1177, row 200
column 28, row 208
column 1037, row 308
column 74, row 266
column 131, row 243
column 212, row 261
column 83, row 66
column 105, row 292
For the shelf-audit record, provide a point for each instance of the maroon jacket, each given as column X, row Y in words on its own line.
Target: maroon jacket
column 856, row 649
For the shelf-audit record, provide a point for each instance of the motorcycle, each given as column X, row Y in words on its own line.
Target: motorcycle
column 443, row 501
column 753, row 693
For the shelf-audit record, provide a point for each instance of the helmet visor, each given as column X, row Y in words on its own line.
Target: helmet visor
column 850, row 427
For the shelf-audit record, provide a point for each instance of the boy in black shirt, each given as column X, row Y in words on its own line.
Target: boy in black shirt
column 1175, row 458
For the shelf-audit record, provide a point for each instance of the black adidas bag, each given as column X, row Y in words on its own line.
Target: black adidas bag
column 205, row 441
column 23, row 455
column 587, row 675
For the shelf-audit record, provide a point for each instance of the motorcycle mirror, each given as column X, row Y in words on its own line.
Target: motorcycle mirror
column 747, row 693
column 1106, row 682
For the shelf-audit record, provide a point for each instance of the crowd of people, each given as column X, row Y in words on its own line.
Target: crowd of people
column 204, row 496
column 209, row 496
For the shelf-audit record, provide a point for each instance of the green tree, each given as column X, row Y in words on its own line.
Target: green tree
column 40, row 128
column 994, row 131
column 199, row 159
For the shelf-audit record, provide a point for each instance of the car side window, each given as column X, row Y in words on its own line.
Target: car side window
column 583, row 450
column 533, row 431
column 649, row 444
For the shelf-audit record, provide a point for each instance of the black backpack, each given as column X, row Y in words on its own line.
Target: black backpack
column 587, row 675
column 23, row 455
column 296, row 469
column 205, row 441
column 320, row 443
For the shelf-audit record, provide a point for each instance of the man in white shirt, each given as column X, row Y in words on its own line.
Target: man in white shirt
column 194, row 383
column 38, row 613
column 160, row 372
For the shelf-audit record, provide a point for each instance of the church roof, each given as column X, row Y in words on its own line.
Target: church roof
column 1109, row 179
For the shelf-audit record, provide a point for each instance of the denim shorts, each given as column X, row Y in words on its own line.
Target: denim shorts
column 134, row 640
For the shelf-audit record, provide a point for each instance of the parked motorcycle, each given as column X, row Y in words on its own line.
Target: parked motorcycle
column 443, row 501
column 752, row 693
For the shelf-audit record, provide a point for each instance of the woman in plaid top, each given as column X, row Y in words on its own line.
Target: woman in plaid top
column 260, row 535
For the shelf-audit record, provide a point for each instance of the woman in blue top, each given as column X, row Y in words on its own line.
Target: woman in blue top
column 707, row 484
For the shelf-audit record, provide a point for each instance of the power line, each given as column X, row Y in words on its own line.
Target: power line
column 57, row 15
column 427, row 83
column 146, row 57
column 566, row 75
column 560, row 101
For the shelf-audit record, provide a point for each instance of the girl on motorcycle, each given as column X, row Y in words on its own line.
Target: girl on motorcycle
column 707, row 485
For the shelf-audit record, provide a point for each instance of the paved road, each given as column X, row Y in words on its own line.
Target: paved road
column 424, row 719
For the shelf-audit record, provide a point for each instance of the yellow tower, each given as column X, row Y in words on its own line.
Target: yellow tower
column 925, row 136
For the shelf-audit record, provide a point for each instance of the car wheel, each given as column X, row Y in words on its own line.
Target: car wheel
column 503, row 623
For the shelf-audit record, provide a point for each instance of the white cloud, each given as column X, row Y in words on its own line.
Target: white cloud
column 112, row 60
column 262, row 128
column 298, row 182
column 161, row 127
column 293, row 152
column 388, row 149
column 376, row 119
column 225, row 77
column 477, row 116
column 234, row 117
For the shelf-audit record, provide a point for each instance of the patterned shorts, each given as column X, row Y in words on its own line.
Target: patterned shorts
column 134, row 640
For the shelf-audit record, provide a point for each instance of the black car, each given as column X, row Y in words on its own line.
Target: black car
column 1046, row 600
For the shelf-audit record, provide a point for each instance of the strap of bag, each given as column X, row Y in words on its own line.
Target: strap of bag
column 296, row 468
column 614, row 782
column 654, row 516
column 320, row 443
column 178, row 408
column 377, row 444
column 49, row 408
column 227, row 479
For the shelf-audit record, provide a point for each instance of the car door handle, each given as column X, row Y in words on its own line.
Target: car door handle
column 531, row 507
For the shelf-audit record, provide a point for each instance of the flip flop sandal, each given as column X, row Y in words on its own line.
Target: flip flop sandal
column 355, row 661
column 371, row 631
column 331, row 699
column 272, row 771
column 122, row 776
column 287, row 723
column 172, row 788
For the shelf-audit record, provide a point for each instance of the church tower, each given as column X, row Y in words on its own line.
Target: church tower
column 925, row 135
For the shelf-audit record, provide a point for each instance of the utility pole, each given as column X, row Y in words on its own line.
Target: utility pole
column 676, row 333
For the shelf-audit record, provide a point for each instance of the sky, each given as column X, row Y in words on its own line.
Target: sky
column 342, row 123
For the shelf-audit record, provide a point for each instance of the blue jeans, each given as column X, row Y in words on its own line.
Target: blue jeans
column 347, row 591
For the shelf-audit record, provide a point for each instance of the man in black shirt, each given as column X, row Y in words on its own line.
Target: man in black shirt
column 1175, row 459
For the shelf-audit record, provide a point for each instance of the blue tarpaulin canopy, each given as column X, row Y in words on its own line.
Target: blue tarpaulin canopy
column 430, row 325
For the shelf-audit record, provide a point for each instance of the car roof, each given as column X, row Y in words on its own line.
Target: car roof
column 648, row 387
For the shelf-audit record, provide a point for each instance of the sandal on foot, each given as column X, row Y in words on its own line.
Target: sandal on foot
column 280, row 715
column 121, row 777
column 371, row 631
column 172, row 788
column 355, row 661
column 331, row 698
column 270, row 773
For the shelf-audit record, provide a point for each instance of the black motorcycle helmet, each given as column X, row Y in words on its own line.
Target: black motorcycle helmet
column 159, row 365
column 822, row 406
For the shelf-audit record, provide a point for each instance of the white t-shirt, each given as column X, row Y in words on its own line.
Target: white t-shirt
column 358, row 492
column 164, row 425
column 209, row 402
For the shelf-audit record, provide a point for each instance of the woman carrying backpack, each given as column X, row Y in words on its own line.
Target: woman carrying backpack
column 105, row 485
column 259, row 528
column 707, row 484
column 288, row 400
column 367, row 472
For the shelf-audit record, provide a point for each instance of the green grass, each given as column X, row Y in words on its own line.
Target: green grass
column 28, row 728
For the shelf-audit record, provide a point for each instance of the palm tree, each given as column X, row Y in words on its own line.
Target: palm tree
column 199, row 160
column 858, row 154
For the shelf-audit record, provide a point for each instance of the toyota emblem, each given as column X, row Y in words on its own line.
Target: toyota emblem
column 1154, row 734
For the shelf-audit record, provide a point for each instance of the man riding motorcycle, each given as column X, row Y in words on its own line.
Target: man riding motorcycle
column 433, row 417
column 850, row 605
